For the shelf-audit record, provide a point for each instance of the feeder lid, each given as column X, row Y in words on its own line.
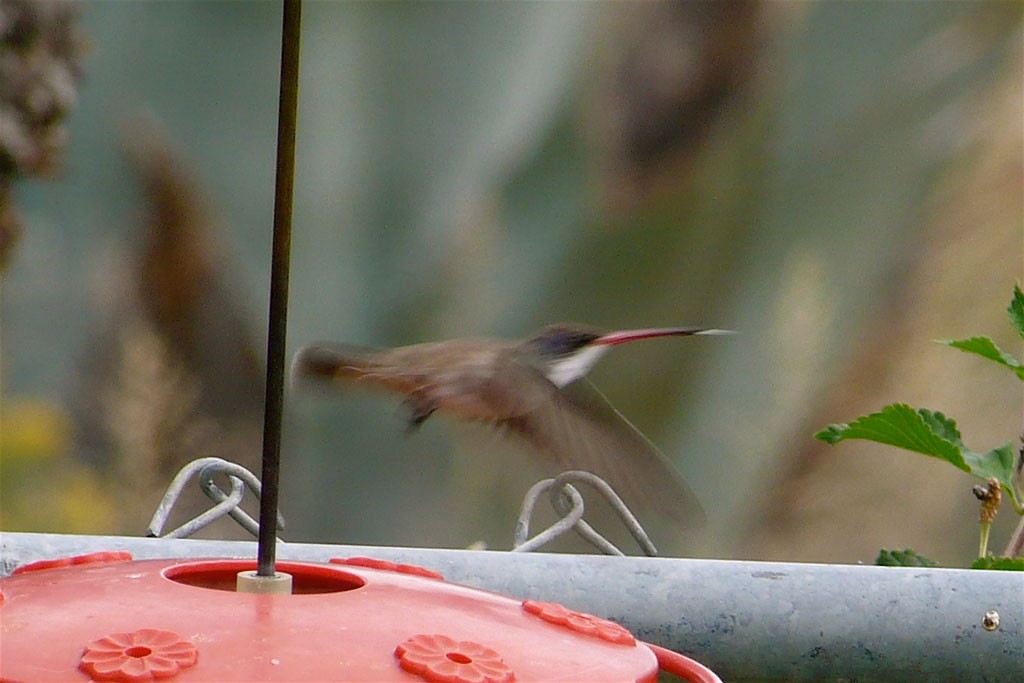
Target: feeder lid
column 105, row 617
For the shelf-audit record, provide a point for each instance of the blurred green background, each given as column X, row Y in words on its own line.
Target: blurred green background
column 840, row 182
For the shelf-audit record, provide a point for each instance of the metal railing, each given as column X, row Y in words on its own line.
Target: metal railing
column 749, row 621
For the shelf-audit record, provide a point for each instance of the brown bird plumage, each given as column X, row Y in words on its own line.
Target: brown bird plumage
column 527, row 389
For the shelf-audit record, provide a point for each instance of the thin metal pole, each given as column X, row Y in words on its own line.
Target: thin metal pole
column 283, row 190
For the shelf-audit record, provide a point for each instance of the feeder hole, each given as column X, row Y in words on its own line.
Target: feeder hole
column 138, row 651
column 458, row 658
column 223, row 574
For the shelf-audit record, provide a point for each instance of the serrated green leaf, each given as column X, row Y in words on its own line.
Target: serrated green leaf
column 930, row 433
column 903, row 558
column 997, row 463
column 921, row 431
column 986, row 348
column 1011, row 564
column 1016, row 310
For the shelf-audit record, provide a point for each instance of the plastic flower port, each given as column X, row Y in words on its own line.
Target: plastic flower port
column 586, row 624
column 440, row 658
column 144, row 655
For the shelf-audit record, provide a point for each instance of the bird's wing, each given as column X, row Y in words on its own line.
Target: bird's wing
column 579, row 428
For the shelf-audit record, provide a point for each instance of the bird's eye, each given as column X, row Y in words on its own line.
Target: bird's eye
column 564, row 342
column 558, row 341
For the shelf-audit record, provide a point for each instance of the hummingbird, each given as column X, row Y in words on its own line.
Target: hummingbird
column 530, row 390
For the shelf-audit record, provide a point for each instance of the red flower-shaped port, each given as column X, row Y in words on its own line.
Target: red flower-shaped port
column 144, row 655
column 440, row 658
column 586, row 624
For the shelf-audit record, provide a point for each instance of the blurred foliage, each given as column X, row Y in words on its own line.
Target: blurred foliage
column 1009, row 564
column 40, row 490
column 487, row 168
column 36, row 431
column 932, row 433
column 929, row 433
column 903, row 558
column 41, row 55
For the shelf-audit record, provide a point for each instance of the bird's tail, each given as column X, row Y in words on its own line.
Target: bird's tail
column 329, row 362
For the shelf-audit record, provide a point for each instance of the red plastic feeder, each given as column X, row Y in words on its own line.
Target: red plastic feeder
column 104, row 617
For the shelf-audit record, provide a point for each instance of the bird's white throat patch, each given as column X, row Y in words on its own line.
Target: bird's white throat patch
column 570, row 368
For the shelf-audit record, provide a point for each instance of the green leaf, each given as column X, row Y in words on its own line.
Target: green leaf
column 903, row 558
column 1016, row 310
column 930, row 433
column 921, row 431
column 997, row 463
column 986, row 348
column 1011, row 564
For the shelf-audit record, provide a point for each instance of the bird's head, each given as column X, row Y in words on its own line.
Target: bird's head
column 568, row 351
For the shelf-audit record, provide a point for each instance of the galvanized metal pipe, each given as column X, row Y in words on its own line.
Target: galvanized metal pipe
column 746, row 620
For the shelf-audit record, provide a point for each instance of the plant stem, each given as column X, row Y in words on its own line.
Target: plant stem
column 986, row 526
column 1016, row 545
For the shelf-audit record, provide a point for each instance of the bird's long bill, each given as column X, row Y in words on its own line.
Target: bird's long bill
column 623, row 336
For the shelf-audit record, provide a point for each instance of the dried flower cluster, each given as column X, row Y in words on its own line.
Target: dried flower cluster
column 41, row 53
